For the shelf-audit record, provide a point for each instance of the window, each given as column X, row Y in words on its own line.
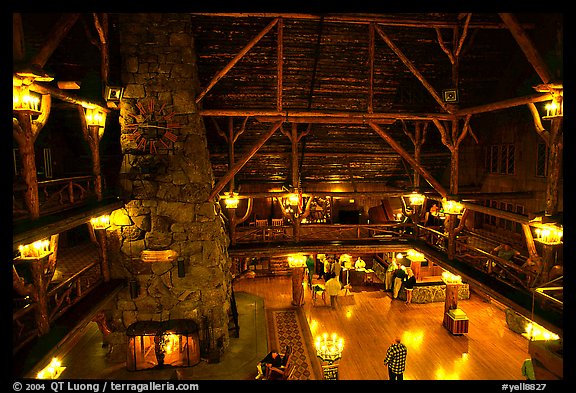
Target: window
column 500, row 159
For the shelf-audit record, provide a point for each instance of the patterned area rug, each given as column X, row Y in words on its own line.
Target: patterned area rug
column 289, row 327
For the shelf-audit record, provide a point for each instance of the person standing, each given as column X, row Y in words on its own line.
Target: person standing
column 336, row 268
column 327, row 268
column 399, row 277
column 310, row 267
column 396, row 360
column 333, row 287
column 409, row 285
column 390, row 274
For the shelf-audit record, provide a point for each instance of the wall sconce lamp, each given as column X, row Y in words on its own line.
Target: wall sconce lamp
column 535, row 332
column 36, row 250
column 102, row 222
column 24, row 76
column 24, row 100
column 555, row 108
column 452, row 206
column 415, row 198
column 450, row 278
column 95, row 117
column 549, row 234
column 231, row 200
column 52, row 370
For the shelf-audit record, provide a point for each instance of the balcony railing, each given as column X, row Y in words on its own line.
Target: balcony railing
column 61, row 297
column 54, row 195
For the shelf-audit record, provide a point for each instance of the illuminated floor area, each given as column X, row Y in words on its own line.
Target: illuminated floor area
column 84, row 357
column 367, row 318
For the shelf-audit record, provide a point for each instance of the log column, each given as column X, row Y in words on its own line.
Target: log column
column 297, row 287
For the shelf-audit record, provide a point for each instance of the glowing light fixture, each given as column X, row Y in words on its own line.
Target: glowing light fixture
column 415, row 198
column 415, row 256
column 548, row 233
column 231, row 200
column 452, row 206
column 329, row 349
column 101, row 222
column 24, row 100
column 450, row 278
column 95, row 117
column 297, row 261
column 38, row 249
column 52, row 370
column 555, row 108
column 535, row 332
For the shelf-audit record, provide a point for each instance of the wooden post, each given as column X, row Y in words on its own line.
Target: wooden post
column 297, row 287
column 451, row 302
column 449, row 226
column 103, row 243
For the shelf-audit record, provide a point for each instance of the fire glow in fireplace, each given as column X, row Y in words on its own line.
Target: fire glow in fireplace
column 158, row 344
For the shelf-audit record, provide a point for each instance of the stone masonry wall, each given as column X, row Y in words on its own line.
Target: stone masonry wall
column 167, row 190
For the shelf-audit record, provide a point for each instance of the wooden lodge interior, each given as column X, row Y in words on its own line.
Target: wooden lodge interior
column 173, row 171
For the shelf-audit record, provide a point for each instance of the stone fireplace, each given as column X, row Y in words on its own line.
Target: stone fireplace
column 174, row 257
column 158, row 344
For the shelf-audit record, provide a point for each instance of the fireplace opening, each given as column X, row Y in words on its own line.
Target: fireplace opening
column 156, row 344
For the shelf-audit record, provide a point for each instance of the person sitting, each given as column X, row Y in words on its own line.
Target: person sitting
column 360, row 264
column 270, row 365
column 505, row 251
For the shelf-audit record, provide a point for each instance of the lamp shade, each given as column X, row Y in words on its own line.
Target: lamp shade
column 121, row 218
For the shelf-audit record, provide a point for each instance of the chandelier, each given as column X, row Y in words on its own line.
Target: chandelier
column 329, row 349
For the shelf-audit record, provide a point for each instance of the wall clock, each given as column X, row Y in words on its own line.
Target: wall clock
column 153, row 128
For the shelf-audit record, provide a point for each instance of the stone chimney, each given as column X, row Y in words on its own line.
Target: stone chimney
column 175, row 256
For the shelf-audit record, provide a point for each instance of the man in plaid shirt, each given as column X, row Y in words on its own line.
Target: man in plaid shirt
column 396, row 360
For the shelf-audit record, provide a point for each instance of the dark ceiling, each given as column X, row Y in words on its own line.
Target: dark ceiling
column 327, row 68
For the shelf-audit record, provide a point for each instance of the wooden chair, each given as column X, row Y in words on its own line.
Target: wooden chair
column 287, row 368
column 261, row 223
column 278, row 230
column 265, row 232
column 277, row 222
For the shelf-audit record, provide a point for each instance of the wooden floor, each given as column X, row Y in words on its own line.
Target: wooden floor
column 368, row 319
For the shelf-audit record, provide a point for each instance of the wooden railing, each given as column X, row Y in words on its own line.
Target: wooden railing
column 480, row 259
column 509, row 271
column 54, row 195
column 60, row 298
column 319, row 232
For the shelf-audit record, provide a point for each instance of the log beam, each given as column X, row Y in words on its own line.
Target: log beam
column 417, row 167
column 236, row 59
column 226, row 178
column 527, row 47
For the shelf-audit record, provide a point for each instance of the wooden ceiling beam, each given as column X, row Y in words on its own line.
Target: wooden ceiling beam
column 237, row 166
column 527, row 47
column 413, row 69
column 405, row 155
column 61, row 28
column 64, row 96
column 512, row 102
column 236, row 59
column 365, row 19
column 307, row 116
